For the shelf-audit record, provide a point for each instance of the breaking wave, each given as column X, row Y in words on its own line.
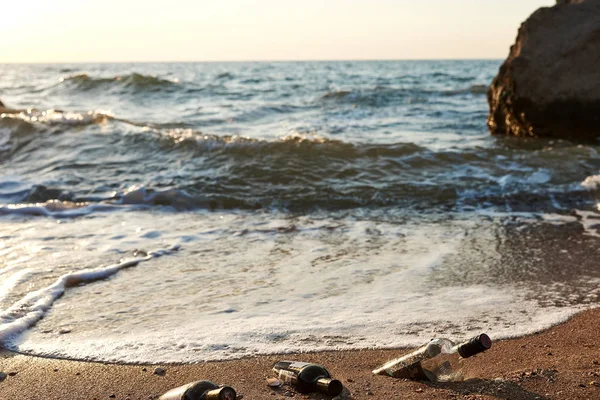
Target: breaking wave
column 52, row 117
column 132, row 81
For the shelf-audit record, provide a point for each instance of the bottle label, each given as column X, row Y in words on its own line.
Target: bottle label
column 286, row 376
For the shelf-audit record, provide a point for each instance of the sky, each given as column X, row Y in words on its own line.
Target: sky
column 240, row 30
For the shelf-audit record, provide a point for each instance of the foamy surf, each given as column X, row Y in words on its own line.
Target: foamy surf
column 260, row 284
column 33, row 306
column 57, row 117
column 54, row 209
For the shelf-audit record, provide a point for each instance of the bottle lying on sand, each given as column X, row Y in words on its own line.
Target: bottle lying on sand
column 306, row 378
column 439, row 360
column 200, row 390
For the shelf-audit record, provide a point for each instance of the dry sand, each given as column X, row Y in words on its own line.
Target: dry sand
column 560, row 363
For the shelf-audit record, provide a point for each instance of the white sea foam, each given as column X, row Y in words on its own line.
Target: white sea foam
column 257, row 284
column 140, row 195
column 53, row 117
column 591, row 182
column 33, row 306
column 590, row 221
column 54, row 208
column 8, row 284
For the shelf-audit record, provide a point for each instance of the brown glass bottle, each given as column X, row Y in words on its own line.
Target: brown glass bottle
column 200, row 390
column 306, row 377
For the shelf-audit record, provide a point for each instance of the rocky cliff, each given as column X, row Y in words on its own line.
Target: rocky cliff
column 549, row 86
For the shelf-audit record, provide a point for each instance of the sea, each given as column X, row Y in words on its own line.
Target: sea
column 190, row 212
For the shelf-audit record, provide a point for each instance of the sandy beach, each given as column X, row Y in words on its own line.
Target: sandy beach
column 560, row 363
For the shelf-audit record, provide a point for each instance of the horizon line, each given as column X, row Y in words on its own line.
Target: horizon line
column 251, row 61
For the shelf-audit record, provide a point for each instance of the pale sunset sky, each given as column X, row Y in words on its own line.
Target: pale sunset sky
column 231, row 30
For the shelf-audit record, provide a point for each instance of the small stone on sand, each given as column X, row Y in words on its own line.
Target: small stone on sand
column 2, row 376
column 273, row 382
column 160, row 371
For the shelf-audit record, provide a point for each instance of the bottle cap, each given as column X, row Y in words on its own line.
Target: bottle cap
column 224, row 393
column 475, row 345
column 332, row 387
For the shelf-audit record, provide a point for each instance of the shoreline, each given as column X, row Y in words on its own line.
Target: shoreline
column 562, row 362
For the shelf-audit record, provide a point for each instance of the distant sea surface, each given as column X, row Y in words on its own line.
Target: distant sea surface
column 188, row 212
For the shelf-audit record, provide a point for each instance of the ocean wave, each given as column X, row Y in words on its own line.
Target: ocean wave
column 14, row 131
column 53, row 117
column 133, row 81
column 54, row 209
column 225, row 76
column 445, row 76
column 293, row 144
column 19, row 128
column 178, row 199
column 381, row 96
column 255, row 188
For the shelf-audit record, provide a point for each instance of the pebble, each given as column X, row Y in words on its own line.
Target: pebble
column 273, row 382
column 2, row 376
column 12, row 373
column 160, row 371
column 112, row 396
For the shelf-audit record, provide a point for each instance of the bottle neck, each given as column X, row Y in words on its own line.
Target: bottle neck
column 474, row 346
column 331, row 387
column 224, row 393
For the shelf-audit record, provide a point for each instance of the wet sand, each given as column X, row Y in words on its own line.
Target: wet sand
column 560, row 363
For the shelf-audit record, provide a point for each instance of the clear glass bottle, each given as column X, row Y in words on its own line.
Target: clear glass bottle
column 438, row 360
column 306, row 377
column 200, row 390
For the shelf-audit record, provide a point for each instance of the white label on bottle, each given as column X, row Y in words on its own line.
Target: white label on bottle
column 286, row 376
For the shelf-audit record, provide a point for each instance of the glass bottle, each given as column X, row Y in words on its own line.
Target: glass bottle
column 200, row 390
column 306, row 377
column 438, row 360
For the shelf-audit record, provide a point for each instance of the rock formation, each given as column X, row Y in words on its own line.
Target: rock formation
column 549, row 86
